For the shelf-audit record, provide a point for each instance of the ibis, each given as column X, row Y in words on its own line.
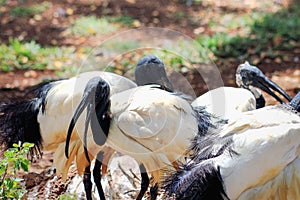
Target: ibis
column 44, row 120
column 150, row 70
column 226, row 102
column 150, row 123
column 255, row 156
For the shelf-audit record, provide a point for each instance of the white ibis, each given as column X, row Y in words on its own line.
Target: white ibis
column 226, row 102
column 151, row 70
column 44, row 120
column 150, row 123
column 253, row 157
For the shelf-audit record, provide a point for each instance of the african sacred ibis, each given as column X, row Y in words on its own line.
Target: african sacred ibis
column 44, row 121
column 226, row 102
column 150, row 123
column 253, row 157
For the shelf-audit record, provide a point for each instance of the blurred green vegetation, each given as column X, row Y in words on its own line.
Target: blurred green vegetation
column 30, row 55
column 91, row 25
column 20, row 11
column 268, row 32
column 261, row 32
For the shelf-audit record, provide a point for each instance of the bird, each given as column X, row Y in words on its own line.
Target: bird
column 150, row 123
column 44, row 121
column 253, row 157
column 226, row 102
column 151, row 70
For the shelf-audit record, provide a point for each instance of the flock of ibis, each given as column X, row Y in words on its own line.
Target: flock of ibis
column 226, row 144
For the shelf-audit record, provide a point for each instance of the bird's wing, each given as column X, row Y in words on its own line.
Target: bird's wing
column 267, row 116
column 225, row 102
column 63, row 99
column 264, row 148
column 155, row 118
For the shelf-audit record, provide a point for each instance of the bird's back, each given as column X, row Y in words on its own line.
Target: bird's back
column 267, row 144
column 61, row 103
column 226, row 102
column 151, row 125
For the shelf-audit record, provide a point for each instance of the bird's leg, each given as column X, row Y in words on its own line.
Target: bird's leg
column 153, row 192
column 97, row 175
column 87, row 183
column 144, row 182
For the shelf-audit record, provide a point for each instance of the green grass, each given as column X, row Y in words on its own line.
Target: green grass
column 30, row 55
column 268, row 32
column 120, row 46
column 122, row 19
column 91, row 25
column 21, row 11
column 224, row 46
column 233, row 21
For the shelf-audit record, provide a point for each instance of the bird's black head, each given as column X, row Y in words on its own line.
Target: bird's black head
column 96, row 100
column 248, row 76
column 151, row 70
column 101, row 122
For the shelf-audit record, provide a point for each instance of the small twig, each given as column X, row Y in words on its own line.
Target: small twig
column 130, row 191
column 131, row 180
column 134, row 175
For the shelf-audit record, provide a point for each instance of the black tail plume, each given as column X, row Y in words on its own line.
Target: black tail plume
column 18, row 120
column 18, row 123
column 194, row 182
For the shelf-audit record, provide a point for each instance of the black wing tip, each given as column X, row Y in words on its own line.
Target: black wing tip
column 18, row 123
column 195, row 181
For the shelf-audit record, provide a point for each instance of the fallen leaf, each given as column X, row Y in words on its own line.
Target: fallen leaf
column 70, row 11
column 58, row 64
column 278, row 60
column 277, row 40
column 199, row 30
column 136, row 23
column 38, row 17
column 91, row 31
column 130, row 1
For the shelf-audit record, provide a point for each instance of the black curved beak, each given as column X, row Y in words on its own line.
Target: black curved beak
column 248, row 75
column 295, row 102
column 84, row 103
column 265, row 84
column 96, row 100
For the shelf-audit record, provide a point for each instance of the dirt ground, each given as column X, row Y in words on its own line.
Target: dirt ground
column 150, row 13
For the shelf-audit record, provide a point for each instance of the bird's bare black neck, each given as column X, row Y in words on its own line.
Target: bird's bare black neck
column 260, row 102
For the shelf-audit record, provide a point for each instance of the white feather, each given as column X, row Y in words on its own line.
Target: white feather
column 61, row 102
column 226, row 102
column 151, row 125
column 267, row 141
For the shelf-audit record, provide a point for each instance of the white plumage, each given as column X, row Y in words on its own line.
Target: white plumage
column 62, row 100
column 155, row 130
column 44, row 120
column 254, row 156
column 228, row 102
column 267, row 141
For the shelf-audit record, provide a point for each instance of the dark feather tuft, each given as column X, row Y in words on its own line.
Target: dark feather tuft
column 195, row 181
column 18, row 120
